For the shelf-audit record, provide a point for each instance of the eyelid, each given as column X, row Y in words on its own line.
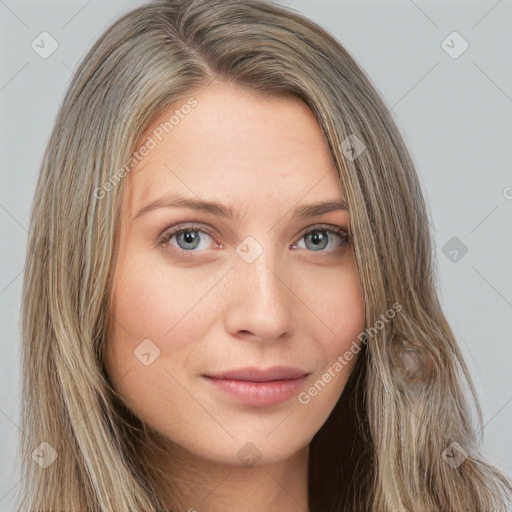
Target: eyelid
column 341, row 230
column 185, row 226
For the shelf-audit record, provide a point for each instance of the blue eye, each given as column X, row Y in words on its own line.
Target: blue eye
column 320, row 237
column 185, row 239
column 189, row 237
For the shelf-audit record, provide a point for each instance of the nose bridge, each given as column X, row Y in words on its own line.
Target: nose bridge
column 262, row 268
column 263, row 301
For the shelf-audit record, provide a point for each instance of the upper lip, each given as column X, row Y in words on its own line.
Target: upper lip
column 255, row 375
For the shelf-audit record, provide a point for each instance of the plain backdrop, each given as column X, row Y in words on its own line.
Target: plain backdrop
column 452, row 103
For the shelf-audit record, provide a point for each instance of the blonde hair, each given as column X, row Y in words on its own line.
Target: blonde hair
column 381, row 448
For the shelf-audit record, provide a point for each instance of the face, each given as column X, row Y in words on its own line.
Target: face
column 271, row 285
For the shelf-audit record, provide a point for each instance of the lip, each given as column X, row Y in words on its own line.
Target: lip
column 260, row 388
column 252, row 374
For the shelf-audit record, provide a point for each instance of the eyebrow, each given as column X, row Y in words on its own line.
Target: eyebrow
column 222, row 210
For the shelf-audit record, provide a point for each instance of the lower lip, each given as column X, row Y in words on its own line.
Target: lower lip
column 259, row 394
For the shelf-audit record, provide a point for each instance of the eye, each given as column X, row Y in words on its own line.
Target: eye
column 187, row 238
column 318, row 237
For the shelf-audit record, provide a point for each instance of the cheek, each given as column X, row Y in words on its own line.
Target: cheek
column 155, row 301
column 175, row 310
column 337, row 302
column 154, row 325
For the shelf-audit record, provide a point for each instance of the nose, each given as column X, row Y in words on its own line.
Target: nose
column 262, row 303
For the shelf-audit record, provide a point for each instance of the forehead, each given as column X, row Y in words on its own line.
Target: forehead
column 237, row 147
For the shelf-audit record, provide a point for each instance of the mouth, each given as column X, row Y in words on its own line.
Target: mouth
column 275, row 373
column 259, row 388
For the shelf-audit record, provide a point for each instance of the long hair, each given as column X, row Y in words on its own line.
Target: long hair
column 409, row 407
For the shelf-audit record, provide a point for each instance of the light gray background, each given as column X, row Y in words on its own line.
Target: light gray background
column 454, row 113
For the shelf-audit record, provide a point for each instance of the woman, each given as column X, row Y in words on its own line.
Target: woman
column 254, row 370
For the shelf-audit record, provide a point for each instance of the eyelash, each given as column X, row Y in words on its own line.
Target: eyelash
column 328, row 228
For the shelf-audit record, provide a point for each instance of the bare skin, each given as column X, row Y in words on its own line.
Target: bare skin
column 208, row 309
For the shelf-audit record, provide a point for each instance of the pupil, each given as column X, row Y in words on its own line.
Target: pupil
column 317, row 237
column 189, row 237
